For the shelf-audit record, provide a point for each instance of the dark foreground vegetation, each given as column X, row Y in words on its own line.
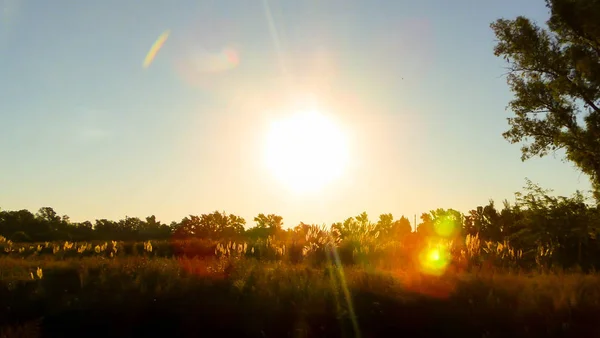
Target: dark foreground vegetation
column 146, row 295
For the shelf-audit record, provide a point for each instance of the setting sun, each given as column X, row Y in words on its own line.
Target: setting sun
column 306, row 151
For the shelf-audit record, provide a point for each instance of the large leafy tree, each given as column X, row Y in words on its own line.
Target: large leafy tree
column 266, row 225
column 565, row 224
column 392, row 229
column 485, row 221
column 554, row 73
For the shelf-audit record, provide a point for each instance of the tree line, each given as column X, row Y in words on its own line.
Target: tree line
column 47, row 225
column 568, row 226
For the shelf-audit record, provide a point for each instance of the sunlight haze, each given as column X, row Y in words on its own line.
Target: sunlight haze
column 296, row 142
column 413, row 95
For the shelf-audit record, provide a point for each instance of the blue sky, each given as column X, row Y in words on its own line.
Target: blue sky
column 88, row 131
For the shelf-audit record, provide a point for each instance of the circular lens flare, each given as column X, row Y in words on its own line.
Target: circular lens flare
column 434, row 261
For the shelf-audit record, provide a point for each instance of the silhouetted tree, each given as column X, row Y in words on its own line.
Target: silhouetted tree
column 393, row 229
column 384, row 225
column 266, row 225
column 555, row 76
column 106, row 230
column 82, row 231
column 566, row 225
column 21, row 221
column 401, row 228
column 485, row 221
column 425, row 228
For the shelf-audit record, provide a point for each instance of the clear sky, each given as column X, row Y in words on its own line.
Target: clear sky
column 86, row 129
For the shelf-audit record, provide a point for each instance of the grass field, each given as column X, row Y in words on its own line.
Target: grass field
column 111, row 293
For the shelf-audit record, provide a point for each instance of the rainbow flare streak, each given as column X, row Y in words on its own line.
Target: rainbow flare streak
column 156, row 46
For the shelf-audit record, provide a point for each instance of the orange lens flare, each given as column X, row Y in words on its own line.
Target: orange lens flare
column 434, row 261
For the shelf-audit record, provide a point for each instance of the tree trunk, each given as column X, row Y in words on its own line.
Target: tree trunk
column 596, row 182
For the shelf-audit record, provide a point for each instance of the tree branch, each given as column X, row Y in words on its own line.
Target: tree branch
column 557, row 75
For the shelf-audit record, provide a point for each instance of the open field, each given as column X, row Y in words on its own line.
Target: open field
column 300, row 108
column 109, row 293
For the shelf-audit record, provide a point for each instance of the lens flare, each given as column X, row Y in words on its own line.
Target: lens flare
column 206, row 62
column 156, row 46
column 446, row 227
column 434, row 261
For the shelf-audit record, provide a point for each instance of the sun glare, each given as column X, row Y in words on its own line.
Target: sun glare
column 306, row 151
